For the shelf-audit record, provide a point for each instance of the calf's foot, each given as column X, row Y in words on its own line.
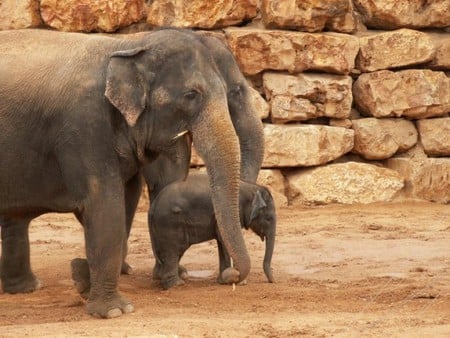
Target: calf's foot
column 168, row 283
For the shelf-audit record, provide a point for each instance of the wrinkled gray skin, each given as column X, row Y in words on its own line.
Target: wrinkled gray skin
column 80, row 116
column 182, row 215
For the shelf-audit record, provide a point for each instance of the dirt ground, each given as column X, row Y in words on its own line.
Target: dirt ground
column 342, row 271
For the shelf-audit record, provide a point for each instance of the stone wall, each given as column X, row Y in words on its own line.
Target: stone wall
column 354, row 95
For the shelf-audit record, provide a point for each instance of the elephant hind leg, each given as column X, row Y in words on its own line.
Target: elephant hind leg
column 15, row 267
column 81, row 276
column 169, row 272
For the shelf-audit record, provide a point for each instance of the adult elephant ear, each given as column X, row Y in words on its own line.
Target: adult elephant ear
column 126, row 84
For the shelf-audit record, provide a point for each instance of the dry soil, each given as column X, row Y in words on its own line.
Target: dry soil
column 343, row 271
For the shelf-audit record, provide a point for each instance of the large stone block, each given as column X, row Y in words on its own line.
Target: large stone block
column 90, row 16
column 200, row 13
column 274, row 180
column 19, row 14
column 427, row 179
column 307, row 96
column 309, row 15
column 346, row 183
column 257, row 50
column 411, row 93
column 399, row 48
column 304, row 145
column 442, row 57
column 377, row 139
column 435, row 136
column 391, row 14
column 260, row 105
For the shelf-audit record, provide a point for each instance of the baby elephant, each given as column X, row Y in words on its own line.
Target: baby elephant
column 182, row 214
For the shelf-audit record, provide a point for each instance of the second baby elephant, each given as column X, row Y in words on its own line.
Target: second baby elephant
column 182, row 215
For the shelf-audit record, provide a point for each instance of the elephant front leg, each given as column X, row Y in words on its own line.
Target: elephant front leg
column 133, row 190
column 105, row 234
column 15, row 267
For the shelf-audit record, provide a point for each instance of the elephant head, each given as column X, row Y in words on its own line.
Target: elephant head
column 261, row 219
column 172, row 164
column 170, row 87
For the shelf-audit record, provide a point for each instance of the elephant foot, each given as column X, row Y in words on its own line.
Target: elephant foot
column 228, row 276
column 26, row 284
column 126, row 269
column 81, row 276
column 156, row 275
column 182, row 272
column 171, row 282
column 110, row 306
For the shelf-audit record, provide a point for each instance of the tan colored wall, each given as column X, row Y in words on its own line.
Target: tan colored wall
column 337, row 82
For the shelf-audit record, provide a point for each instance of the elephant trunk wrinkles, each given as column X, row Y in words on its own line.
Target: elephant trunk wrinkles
column 251, row 137
column 216, row 142
column 270, row 243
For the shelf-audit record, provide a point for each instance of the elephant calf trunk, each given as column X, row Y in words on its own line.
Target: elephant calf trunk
column 270, row 242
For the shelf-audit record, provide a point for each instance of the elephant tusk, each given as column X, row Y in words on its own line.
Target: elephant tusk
column 177, row 136
column 232, row 265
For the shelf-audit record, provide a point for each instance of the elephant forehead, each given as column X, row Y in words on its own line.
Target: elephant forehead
column 161, row 95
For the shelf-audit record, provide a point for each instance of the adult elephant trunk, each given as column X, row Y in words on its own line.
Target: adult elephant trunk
column 249, row 127
column 270, row 243
column 216, row 142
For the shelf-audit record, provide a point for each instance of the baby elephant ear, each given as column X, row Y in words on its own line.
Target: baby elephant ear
column 257, row 204
column 125, row 85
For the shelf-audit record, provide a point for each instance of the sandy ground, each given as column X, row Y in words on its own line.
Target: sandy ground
column 342, row 271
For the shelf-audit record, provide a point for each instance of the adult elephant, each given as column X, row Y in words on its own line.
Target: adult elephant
column 80, row 116
column 172, row 163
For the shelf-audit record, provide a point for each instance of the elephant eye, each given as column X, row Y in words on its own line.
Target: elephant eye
column 191, row 94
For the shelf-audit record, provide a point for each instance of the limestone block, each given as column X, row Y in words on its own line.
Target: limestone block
column 416, row 152
column 89, row 16
column 309, row 15
column 402, row 47
column 19, row 14
column 346, row 183
column 391, row 14
column 200, row 13
column 427, row 179
column 377, row 139
column 307, row 96
column 442, row 58
column 411, row 93
column 344, row 123
column 274, row 180
column 260, row 105
column 304, row 145
column 257, row 50
column 435, row 136
column 349, row 22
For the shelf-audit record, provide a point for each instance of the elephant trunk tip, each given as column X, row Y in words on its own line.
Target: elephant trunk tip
column 269, row 274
